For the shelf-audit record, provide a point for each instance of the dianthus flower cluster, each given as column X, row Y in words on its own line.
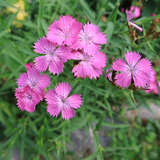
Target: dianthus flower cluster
column 66, row 40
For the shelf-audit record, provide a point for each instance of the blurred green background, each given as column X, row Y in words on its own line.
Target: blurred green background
column 102, row 128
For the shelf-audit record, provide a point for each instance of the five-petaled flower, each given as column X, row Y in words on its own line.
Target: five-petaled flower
column 89, row 65
column 59, row 101
column 54, row 56
column 64, row 31
column 134, row 68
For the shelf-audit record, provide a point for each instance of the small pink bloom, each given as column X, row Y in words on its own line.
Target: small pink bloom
column 89, row 65
column 54, row 56
column 134, row 68
column 59, row 101
column 134, row 12
column 64, row 31
column 153, row 84
column 36, row 81
column 27, row 99
column 109, row 73
column 153, row 14
column 90, row 39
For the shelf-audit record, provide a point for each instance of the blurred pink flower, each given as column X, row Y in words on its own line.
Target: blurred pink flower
column 59, row 101
column 134, row 68
column 36, row 81
column 153, row 84
column 153, row 14
column 158, row 83
column 54, row 56
column 89, row 65
column 134, row 12
column 27, row 99
column 90, row 39
column 64, row 31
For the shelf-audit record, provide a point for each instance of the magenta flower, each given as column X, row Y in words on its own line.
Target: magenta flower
column 36, row 81
column 59, row 101
column 134, row 68
column 64, row 31
column 90, row 39
column 89, row 65
column 54, row 56
column 153, row 84
column 134, row 12
column 27, row 99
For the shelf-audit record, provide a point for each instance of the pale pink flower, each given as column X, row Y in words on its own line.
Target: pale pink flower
column 90, row 39
column 36, row 81
column 153, row 14
column 89, row 65
column 134, row 12
column 27, row 99
column 134, row 68
column 59, row 101
column 64, row 31
column 54, row 56
column 153, row 84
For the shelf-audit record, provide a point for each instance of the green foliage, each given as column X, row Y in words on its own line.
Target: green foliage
column 38, row 136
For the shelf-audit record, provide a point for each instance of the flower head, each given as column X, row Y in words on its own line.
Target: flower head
column 36, row 81
column 89, row 65
column 90, row 39
column 59, row 101
column 134, row 12
column 27, row 99
column 64, row 31
column 54, row 56
column 134, row 68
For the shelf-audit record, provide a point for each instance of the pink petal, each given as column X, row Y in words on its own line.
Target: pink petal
column 120, row 65
column 56, row 66
column 67, row 113
column 74, row 101
column 51, row 97
column 22, row 80
column 99, row 60
column 44, row 81
column 109, row 73
column 53, row 110
column 63, row 89
column 132, row 58
column 136, row 26
column 41, row 63
column 123, row 79
column 141, row 74
column 84, row 69
column 44, row 46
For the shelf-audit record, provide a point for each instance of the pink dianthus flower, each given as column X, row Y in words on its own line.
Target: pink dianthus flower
column 64, row 31
column 134, row 68
column 89, row 65
column 54, row 56
column 90, row 39
column 109, row 73
column 36, row 81
column 59, row 101
column 27, row 99
column 134, row 12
